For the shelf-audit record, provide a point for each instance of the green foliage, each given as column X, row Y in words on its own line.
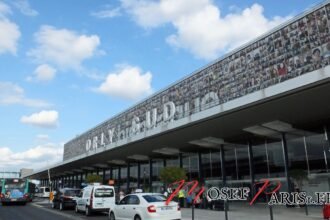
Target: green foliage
column 92, row 178
column 299, row 176
column 172, row 174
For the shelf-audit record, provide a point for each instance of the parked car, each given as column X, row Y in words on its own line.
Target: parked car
column 145, row 206
column 42, row 192
column 95, row 198
column 65, row 198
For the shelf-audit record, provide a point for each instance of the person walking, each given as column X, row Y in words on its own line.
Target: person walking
column 181, row 197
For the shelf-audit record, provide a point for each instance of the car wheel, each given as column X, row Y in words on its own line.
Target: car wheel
column 76, row 209
column 137, row 217
column 61, row 206
column 88, row 211
column 112, row 216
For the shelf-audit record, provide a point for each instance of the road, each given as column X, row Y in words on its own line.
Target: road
column 41, row 210
column 27, row 212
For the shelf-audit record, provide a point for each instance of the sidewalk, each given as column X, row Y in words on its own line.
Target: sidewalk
column 256, row 212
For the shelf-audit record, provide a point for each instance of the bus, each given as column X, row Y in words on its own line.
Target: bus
column 16, row 191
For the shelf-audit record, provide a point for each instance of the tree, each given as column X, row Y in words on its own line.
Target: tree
column 92, row 178
column 172, row 174
column 299, row 176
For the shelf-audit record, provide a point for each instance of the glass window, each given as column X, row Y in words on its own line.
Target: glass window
column 157, row 165
column 123, row 177
column 242, row 162
column 190, row 164
column 133, row 176
column 124, row 201
column 104, row 193
column 274, row 153
column 144, row 172
column 133, row 200
column 71, row 192
column 260, row 161
column 317, row 150
column 211, row 165
column 173, row 162
column 154, row 198
column 296, row 153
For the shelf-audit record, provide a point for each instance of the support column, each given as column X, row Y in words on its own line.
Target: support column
column 286, row 162
column 223, row 168
column 111, row 173
column 181, row 160
column 119, row 178
column 326, row 133
column 251, row 166
column 200, row 168
column 128, row 179
column 81, row 179
column 223, row 173
column 150, row 174
column 103, row 176
column 139, row 175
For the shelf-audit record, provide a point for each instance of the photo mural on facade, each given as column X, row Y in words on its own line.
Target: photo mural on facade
column 298, row 48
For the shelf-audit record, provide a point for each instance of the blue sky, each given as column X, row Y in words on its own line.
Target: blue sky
column 66, row 66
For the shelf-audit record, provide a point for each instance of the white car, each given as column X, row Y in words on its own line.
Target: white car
column 95, row 198
column 42, row 192
column 145, row 206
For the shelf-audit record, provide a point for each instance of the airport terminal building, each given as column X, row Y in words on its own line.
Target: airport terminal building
column 261, row 111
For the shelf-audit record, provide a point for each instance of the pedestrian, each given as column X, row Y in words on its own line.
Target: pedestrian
column 181, row 197
column 121, row 195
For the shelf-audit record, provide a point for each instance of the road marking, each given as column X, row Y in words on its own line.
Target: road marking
column 56, row 212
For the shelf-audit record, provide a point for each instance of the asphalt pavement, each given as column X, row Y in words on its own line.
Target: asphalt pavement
column 41, row 210
column 28, row 212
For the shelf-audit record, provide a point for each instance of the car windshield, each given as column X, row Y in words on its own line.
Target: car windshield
column 14, row 186
column 14, row 190
column 103, row 192
column 154, row 198
column 72, row 192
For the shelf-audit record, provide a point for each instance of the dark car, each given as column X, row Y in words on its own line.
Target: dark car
column 65, row 198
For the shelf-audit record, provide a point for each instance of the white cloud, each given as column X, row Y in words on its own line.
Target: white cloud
column 43, row 73
column 63, row 48
column 45, row 119
column 200, row 28
column 9, row 31
column 13, row 94
column 25, row 8
column 107, row 13
column 128, row 82
column 36, row 157
column 42, row 137
column 4, row 9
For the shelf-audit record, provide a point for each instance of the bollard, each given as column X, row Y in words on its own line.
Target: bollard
column 271, row 212
column 226, row 210
column 192, row 211
column 306, row 209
